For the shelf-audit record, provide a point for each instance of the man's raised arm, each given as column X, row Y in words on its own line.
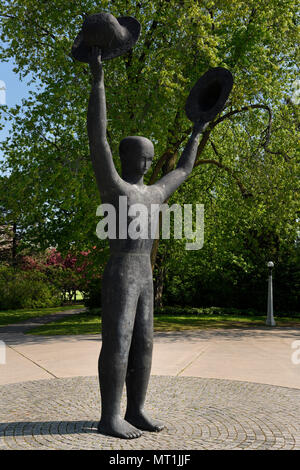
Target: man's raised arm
column 105, row 171
column 170, row 182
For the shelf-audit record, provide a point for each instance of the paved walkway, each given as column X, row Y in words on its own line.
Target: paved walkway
column 198, row 414
column 22, row 327
column 215, row 389
column 261, row 355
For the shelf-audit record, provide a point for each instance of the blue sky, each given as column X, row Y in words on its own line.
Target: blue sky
column 16, row 89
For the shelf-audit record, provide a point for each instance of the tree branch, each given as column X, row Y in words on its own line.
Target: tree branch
column 244, row 191
column 241, row 110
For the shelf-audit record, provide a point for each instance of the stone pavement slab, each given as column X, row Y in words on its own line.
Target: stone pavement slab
column 198, row 413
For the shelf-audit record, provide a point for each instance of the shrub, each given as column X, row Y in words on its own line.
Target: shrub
column 177, row 310
column 92, row 295
column 26, row 289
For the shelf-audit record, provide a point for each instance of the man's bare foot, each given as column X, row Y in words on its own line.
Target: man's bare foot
column 118, row 427
column 144, row 422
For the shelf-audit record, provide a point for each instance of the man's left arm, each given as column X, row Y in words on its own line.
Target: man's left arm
column 170, row 182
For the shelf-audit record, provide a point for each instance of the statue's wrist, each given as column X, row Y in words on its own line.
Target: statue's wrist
column 98, row 80
column 196, row 132
column 199, row 127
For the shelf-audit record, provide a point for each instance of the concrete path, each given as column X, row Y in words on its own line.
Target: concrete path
column 260, row 355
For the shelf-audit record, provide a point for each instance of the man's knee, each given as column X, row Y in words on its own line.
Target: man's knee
column 116, row 348
column 142, row 342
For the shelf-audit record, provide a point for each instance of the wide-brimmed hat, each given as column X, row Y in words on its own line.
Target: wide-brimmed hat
column 114, row 36
column 209, row 95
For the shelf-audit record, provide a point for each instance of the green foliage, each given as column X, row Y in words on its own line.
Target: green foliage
column 187, row 310
column 184, row 310
column 247, row 173
column 92, row 295
column 19, row 289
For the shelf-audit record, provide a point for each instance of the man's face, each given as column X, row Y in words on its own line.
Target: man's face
column 137, row 155
column 138, row 164
column 144, row 163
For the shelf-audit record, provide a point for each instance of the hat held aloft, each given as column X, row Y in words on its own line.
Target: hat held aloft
column 208, row 96
column 114, row 36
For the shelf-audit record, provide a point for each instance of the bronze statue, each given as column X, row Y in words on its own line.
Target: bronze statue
column 127, row 287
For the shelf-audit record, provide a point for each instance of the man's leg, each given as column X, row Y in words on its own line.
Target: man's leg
column 118, row 314
column 139, row 364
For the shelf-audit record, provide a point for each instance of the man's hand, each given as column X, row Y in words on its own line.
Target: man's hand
column 96, row 63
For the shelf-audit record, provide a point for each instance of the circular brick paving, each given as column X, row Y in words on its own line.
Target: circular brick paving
column 198, row 413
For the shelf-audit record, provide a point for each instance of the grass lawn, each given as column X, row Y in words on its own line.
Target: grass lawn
column 8, row 317
column 79, row 295
column 84, row 323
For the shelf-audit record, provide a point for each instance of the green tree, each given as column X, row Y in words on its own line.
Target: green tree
column 246, row 169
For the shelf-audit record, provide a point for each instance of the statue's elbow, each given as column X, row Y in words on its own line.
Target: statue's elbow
column 187, row 170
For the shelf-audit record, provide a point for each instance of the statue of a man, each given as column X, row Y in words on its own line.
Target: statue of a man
column 127, row 287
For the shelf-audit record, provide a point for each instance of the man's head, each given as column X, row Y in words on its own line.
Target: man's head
column 136, row 154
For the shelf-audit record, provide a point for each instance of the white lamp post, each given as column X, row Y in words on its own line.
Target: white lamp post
column 270, row 316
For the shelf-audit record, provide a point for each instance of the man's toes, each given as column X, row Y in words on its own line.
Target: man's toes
column 135, row 434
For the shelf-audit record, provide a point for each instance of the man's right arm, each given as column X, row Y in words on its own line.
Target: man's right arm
column 104, row 168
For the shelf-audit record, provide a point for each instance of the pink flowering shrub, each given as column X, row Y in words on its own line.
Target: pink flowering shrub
column 69, row 273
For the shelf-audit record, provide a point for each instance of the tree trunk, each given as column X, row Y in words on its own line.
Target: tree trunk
column 14, row 245
column 168, row 166
column 159, row 285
